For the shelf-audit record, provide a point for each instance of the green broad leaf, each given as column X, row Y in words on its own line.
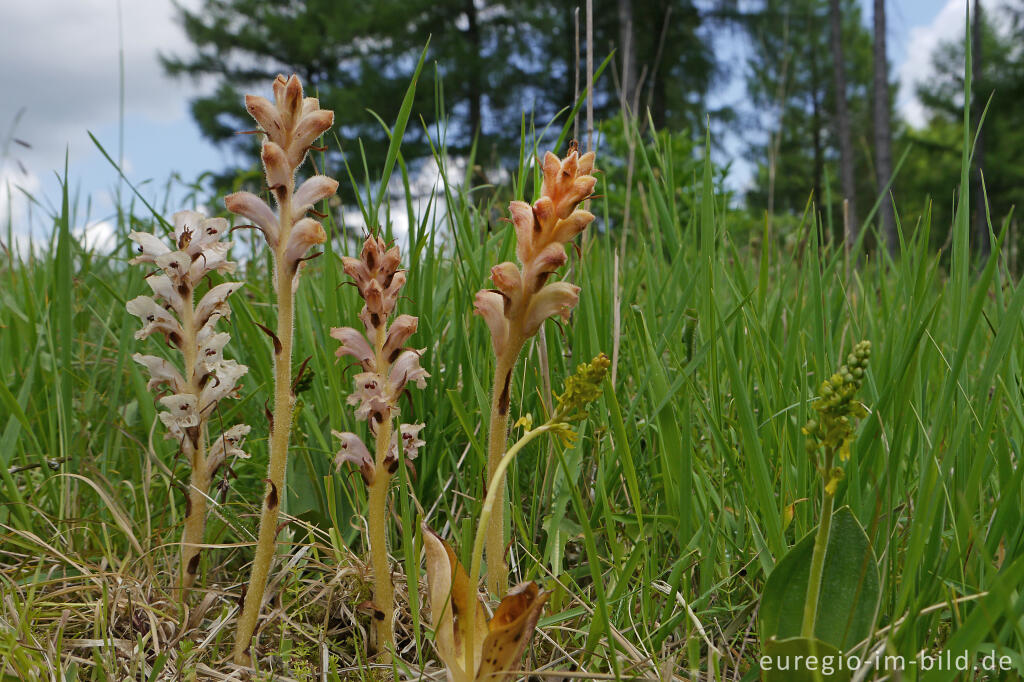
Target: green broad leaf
column 849, row 588
column 799, row 659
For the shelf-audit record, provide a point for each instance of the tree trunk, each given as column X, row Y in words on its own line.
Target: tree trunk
column 883, row 132
column 843, row 120
column 627, row 45
column 475, row 90
column 980, row 227
column 819, row 154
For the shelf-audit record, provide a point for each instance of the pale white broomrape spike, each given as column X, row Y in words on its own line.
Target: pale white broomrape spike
column 388, row 370
column 207, row 378
column 290, row 124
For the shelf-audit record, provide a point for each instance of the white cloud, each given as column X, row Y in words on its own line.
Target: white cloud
column 922, row 42
column 948, row 25
column 98, row 236
column 62, row 66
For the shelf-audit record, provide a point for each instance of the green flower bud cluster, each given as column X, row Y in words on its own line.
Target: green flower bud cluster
column 583, row 387
column 837, row 410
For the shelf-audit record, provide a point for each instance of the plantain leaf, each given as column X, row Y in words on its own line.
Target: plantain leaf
column 849, row 588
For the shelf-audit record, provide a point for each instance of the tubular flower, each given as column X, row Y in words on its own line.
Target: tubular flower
column 204, row 377
column 290, row 123
column 523, row 298
column 388, row 368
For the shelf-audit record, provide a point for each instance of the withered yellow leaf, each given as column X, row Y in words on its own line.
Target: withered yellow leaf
column 510, row 631
column 451, row 597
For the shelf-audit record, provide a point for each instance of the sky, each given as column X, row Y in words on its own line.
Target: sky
column 61, row 82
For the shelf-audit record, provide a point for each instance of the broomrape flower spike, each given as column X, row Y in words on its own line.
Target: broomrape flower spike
column 290, row 123
column 523, row 299
column 388, row 368
column 205, row 377
column 831, row 434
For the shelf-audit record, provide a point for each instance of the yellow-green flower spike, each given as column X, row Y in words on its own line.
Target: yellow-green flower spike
column 583, row 387
column 837, row 410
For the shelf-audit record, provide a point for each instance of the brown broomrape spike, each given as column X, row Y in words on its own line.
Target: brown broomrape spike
column 290, row 124
column 388, row 369
column 523, row 298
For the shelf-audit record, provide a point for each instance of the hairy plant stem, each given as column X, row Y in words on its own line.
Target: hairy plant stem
column 199, row 483
column 280, row 429
column 377, row 520
column 818, row 557
column 497, row 572
column 491, row 510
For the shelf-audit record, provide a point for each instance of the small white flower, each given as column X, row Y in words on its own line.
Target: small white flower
column 411, row 441
column 212, row 258
column 354, row 451
column 181, row 414
column 176, row 264
column 399, row 332
column 150, row 247
column 160, row 372
column 228, row 444
column 165, row 290
column 215, row 301
column 368, row 396
column 154, row 319
column 221, row 384
column 407, row 369
column 211, row 348
column 355, row 345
